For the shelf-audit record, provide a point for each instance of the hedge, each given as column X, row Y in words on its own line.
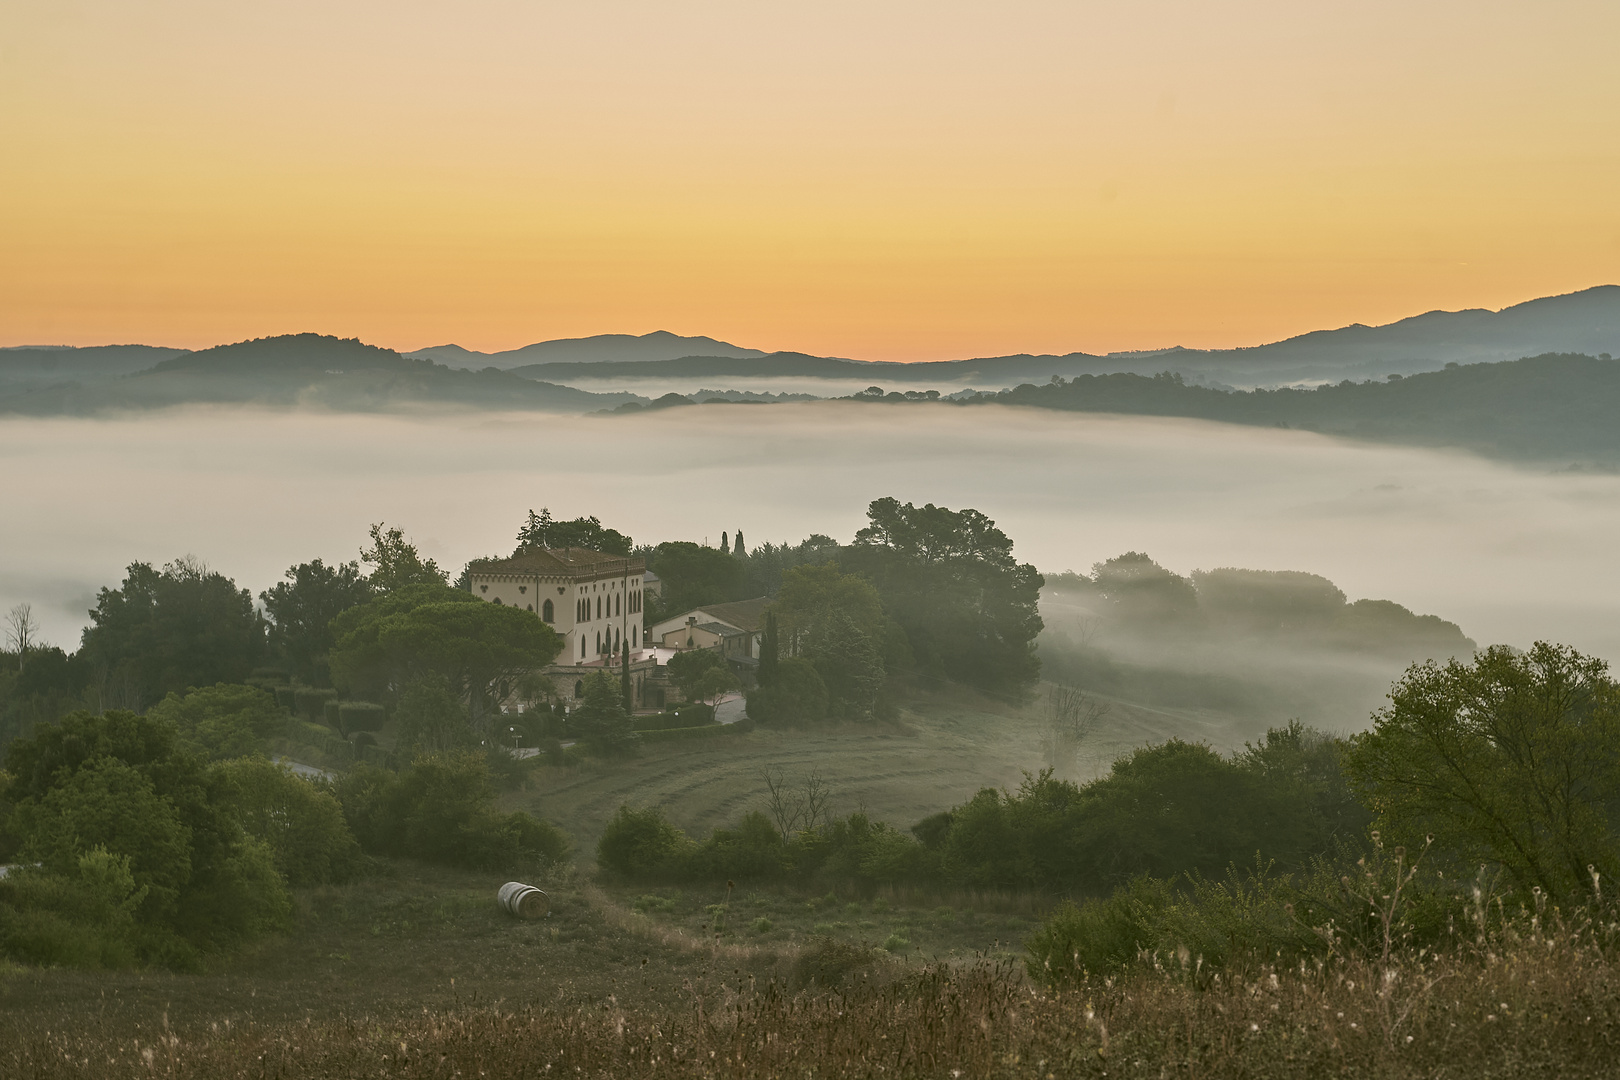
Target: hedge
column 360, row 716
column 310, row 702
column 708, row 731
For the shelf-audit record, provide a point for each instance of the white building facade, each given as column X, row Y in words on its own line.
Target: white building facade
column 594, row 601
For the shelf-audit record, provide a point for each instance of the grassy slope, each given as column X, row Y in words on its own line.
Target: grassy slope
column 946, row 747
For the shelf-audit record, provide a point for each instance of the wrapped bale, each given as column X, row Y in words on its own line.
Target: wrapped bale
column 524, row 901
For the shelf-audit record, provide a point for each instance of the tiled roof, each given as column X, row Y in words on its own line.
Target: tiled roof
column 571, row 560
column 743, row 614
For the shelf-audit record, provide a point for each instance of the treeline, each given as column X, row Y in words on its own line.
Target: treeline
column 1490, row 782
column 1136, row 595
column 1555, row 406
column 1161, row 811
column 921, row 592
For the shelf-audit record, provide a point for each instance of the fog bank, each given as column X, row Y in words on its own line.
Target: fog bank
column 1511, row 555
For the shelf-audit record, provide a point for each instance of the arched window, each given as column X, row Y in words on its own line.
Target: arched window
column 579, row 689
column 598, row 607
column 582, row 646
column 547, row 612
column 634, row 644
column 599, row 643
column 498, row 602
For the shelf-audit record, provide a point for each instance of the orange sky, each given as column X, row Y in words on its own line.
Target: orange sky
column 888, row 180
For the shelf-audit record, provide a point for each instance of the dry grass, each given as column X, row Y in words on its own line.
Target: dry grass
column 1546, row 1006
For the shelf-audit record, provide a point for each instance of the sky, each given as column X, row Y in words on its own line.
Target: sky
column 884, row 180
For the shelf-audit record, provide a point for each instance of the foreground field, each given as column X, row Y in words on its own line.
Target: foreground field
column 1544, row 1006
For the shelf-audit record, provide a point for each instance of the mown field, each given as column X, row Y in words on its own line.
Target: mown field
column 945, row 747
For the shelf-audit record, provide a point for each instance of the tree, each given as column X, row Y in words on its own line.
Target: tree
column 1141, row 593
column 396, row 563
column 696, row 671
column 301, row 611
column 602, row 721
column 812, row 593
column 164, row 631
column 301, row 822
column 770, row 651
column 737, row 546
column 224, row 720
column 481, row 650
column 694, row 575
column 432, row 717
column 795, row 696
column 1512, row 760
column 540, row 531
column 22, row 632
column 125, row 783
column 849, row 663
column 442, row 809
column 948, row 578
column 1072, row 716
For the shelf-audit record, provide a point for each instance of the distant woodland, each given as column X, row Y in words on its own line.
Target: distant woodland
column 1552, row 408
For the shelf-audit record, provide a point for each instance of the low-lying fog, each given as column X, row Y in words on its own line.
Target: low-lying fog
column 821, row 388
column 1511, row 555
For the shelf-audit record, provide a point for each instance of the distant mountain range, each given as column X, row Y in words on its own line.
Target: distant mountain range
column 295, row 370
column 1582, row 322
column 601, row 349
column 1558, row 405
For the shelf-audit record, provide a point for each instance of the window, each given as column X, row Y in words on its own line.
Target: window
column 634, row 643
column 616, row 604
column 498, row 602
column 547, row 612
column 598, row 607
column 579, row 688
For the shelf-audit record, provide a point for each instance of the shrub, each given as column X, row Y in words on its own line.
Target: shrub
column 224, row 721
column 85, row 919
column 797, row 695
column 687, row 715
column 440, row 809
column 1098, row 936
column 642, row 844
column 755, row 851
column 301, row 821
column 830, row 963
column 538, row 837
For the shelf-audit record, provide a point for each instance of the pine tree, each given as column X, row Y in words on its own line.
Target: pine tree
column 603, row 721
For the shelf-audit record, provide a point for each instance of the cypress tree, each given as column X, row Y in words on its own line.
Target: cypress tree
column 769, row 651
column 739, row 549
